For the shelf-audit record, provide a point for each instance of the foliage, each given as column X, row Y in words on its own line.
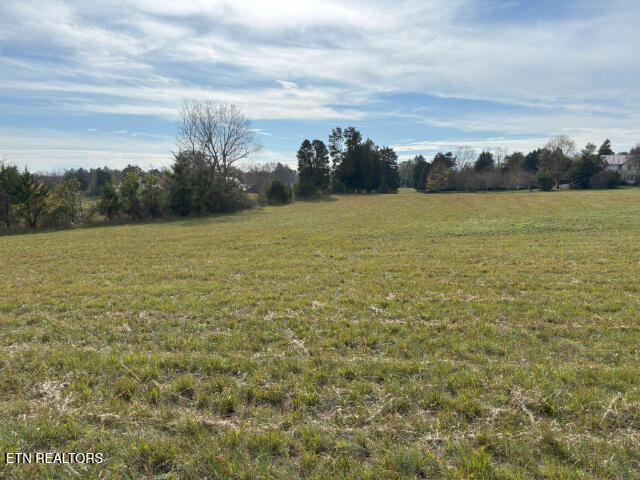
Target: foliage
column 544, row 181
column 32, row 196
column 9, row 191
column 65, row 204
column 531, row 160
column 468, row 180
column 306, row 189
column 585, row 167
column 555, row 158
column 313, row 167
column 82, row 175
column 514, row 162
column 99, row 178
column 361, row 166
column 405, row 172
column 420, row 173
column 130, row 195
column 438, row 178
column 278, row 192
column 110, row 202
column 605, row 179
column 259, row 176
column 196, row 187
column 151, row 195
column 439, row 172
column 389, row 177
column 484, row 162
column 605, row 148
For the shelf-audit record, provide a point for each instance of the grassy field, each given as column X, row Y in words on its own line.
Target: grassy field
column 399, row 336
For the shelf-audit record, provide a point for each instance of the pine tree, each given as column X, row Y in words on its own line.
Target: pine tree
column 605, row 148
column 32, row 195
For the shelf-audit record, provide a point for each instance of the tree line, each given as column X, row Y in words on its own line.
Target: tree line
column 550, row 166
column 204, row 177
column 212, row 138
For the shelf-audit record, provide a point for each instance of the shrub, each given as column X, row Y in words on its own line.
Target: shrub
column 605, row 179
column 337, row 187
column 306, row 189
column 278, row 192
column 194, row 188
column 544, row 181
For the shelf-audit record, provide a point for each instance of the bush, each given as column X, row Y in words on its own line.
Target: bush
column 544, row 181
column 278, row 192
column 306, row 189
column 337, row 187
column 605, row 179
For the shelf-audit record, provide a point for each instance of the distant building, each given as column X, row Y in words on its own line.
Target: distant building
column 622, row 165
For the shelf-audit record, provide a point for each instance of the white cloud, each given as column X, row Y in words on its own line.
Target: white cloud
column 50, row 150
column 328, row 60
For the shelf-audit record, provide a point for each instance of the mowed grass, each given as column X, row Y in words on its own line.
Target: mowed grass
column 384, row 336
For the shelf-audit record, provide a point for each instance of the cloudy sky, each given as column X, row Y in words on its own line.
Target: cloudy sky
column 100, row 83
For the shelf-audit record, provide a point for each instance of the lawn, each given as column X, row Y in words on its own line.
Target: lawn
column 372, row 336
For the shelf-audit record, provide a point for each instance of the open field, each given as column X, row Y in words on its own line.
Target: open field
column 397, row 336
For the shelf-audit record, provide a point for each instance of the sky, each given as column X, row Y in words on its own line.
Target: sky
column 101, row 83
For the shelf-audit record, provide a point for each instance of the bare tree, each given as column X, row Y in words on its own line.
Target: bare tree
column 465, row 156
column 218, row 132
column 563, row 143
column 501, row 155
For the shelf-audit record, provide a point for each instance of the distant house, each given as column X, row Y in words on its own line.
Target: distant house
column 622, row 165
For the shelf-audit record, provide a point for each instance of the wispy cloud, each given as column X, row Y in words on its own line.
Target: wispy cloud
column 500, row 70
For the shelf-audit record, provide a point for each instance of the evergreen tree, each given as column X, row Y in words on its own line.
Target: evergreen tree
column 181, row 191
column 605, row 148
column 420, row 173
column 321, row 169
column 305, row 161
column 446, row 160
column 80, row 174
column 278, row 192
column 514, row 162
column 585, row 167
column 9, row 189
column 99, row 178
column 531, row 160
column 484, row 162
column 313, row 167
column 32, row 196
column 390, row 178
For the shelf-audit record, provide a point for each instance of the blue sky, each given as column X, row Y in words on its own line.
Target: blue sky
column 100, row 83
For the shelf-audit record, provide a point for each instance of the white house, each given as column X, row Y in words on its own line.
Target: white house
column 623, row 165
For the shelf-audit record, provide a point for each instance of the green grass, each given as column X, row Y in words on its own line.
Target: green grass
column 393, row 336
